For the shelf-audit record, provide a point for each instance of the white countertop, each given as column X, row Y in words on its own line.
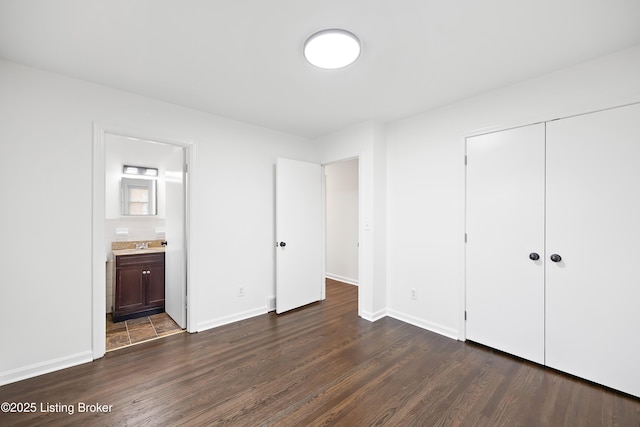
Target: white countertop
column 121, row 252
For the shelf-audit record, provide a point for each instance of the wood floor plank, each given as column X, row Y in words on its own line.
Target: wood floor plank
column 318, row 365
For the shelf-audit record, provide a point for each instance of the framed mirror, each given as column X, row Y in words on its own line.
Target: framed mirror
column 139, row 197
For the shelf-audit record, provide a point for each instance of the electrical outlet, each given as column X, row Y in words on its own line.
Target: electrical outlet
column 413, row 294
column 240, row 291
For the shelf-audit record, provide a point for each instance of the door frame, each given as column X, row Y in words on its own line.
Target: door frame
column 99, row 257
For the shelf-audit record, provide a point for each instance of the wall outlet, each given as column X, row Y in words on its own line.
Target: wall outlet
column 240, row 291
column 413, row 294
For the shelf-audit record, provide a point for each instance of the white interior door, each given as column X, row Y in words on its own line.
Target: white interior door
column 175, row 254
column 298, row 234
column 593, row 223
column 505, row 226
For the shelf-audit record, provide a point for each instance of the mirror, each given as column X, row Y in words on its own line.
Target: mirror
column 139, row 197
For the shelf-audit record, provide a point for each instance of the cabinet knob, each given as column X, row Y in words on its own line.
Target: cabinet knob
column 534, row 256
column 283, row 244
column 556, row 258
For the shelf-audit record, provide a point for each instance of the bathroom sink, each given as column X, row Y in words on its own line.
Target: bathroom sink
column 156, row 249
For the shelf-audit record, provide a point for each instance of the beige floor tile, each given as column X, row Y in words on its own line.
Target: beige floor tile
column 117, row 339
column 115, row 327
column 143, row 332
column 166, row 327
column 139, row 321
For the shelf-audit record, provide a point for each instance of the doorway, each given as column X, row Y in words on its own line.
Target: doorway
column 145, row 198
column 342, row 213
column 170, row 225
column 303, row 194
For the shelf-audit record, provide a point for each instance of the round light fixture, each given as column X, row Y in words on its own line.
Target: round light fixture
column 332, row 49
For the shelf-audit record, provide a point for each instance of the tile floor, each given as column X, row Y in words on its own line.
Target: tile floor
column 135, row 331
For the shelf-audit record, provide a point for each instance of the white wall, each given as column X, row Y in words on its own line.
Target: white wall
column 341, row 184
column 46, row 223
column 426, row 178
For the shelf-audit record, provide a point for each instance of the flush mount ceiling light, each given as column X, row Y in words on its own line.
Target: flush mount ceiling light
column 332, row 49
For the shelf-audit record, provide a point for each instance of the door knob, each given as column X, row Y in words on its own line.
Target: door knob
column 534, row 256
column 283, row 244
column 556, row 258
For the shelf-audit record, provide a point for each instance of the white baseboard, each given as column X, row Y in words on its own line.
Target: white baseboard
column 45, row 367
column 221, row 321
column 341, row 278
column 271, row 303
column 429, row 326
column 372, row 317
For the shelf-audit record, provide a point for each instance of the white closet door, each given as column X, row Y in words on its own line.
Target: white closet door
column 505, row 224
column 593, row 223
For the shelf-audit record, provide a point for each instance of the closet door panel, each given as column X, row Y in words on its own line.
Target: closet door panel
column 593, row 223
column 505, row 224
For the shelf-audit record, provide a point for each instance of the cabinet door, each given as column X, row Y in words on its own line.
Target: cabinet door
column 593, row 223
column 505, row 224
column 155, row 285
column 129, row 289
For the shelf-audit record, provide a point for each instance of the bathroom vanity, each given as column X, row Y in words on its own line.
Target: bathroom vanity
column 139, row 283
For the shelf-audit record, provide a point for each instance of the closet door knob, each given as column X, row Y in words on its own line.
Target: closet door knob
column 556, row 258
column 534, row 256
column 283, row 244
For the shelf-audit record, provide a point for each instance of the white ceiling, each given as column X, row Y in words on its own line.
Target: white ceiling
column 243, row 58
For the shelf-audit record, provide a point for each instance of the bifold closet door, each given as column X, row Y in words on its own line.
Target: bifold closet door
column 593, row 224
column 505, row 241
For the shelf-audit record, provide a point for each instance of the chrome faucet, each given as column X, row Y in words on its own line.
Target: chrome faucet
column 142, row 245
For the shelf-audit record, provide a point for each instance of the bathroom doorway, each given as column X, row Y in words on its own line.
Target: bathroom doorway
column 163, row 226
column 137, row 216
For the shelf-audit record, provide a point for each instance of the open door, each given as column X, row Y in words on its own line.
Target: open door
column 299, row 276
column 175, row 254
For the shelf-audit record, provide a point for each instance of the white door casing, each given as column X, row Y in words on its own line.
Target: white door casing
column 98, row 226
column 505, row 224
column 299, row 229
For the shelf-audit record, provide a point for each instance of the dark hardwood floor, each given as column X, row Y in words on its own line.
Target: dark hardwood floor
column 319, row 365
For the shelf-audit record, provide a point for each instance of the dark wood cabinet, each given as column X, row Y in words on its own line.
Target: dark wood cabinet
column 139, row 286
